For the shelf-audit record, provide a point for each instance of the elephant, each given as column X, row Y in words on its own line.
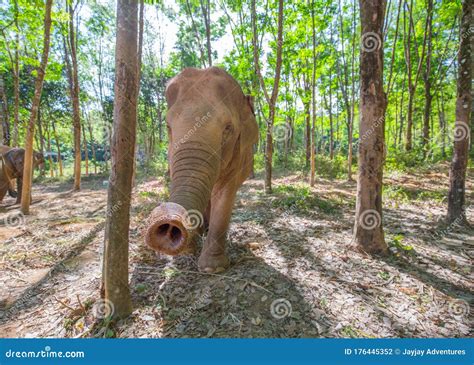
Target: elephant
column 12, row 160
column 212, row 129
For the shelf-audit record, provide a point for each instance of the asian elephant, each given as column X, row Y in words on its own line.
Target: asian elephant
column 12, row 160
column 212, row 130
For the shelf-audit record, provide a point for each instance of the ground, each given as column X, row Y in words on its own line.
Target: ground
column 295, row 271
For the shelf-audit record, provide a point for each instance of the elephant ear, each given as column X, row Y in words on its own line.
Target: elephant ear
column 248, row 124
column 171, row 92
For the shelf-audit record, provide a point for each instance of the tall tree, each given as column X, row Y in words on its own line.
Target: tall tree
column 462, row 130
column 41, row 70
column 368, row 232
column 115, row 270
column 271, row 99
column 74, row 88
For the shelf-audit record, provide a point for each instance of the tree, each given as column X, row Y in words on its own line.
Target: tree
column 368, row 231
column 41, row 70
column 271, row 100
column 115, row 270
column 462, row 130
column 71, row 51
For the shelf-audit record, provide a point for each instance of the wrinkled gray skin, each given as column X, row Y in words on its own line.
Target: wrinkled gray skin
column 212, row 130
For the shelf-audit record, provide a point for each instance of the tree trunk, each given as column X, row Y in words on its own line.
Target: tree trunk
column 86, row 151
column 313, row 100
column 41, row 139
column 115, row 269
column 56, row 139
column 427, row 80
column 271, row 100
column 4, row 122
column 91, row 140
column 75, row 102
column 28, row 161
column 16, row 81
column 50, row 158
column 368, row 231
column 206, row 14
column 462, row 131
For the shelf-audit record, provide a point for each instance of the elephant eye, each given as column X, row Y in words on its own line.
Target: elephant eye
column 229, row 128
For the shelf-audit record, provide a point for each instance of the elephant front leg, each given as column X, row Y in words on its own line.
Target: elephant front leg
column 19, row 188
column 213, row 257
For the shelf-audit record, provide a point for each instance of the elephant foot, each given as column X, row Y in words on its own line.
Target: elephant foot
column 213, row 264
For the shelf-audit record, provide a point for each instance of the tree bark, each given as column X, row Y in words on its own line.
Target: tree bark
column 115, row 270
column 427, row 79
column 368, row 232
column 462, row 131
column 28, row 161
column 206, row 14
column 16, row 81
column 273, row 98
column 75, row 101
column 56, row 139
column 4, row 122
column 313, row 100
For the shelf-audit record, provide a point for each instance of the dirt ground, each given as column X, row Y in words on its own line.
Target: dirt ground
column 294, row 273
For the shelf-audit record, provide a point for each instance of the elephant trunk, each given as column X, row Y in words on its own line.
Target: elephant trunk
column 194, row 169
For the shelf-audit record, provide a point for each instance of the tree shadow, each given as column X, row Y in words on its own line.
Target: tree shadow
column 251, row 299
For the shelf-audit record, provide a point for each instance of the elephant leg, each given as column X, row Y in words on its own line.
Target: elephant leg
column 19, row 188
column 213, row 258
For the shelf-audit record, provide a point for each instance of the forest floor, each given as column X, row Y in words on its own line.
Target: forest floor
column 294, row 270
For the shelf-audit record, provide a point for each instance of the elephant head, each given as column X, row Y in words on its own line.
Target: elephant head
column 14, row 160
column 210, row 121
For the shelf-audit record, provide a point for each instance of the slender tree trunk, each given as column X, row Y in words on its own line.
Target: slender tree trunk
column 427, row 79
column 41, row 139
column 462, row 131
column 75, row 101
column 16, row 81
column 28, row 161
column 307, row 135
column 86, row 151
column 273, row 98
column 313, row 100
column 4, row 122
column 56, row 139
column 115, row 269
column 50, row 158
column 368, row 231
column 91, row 140
column 206, row 14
